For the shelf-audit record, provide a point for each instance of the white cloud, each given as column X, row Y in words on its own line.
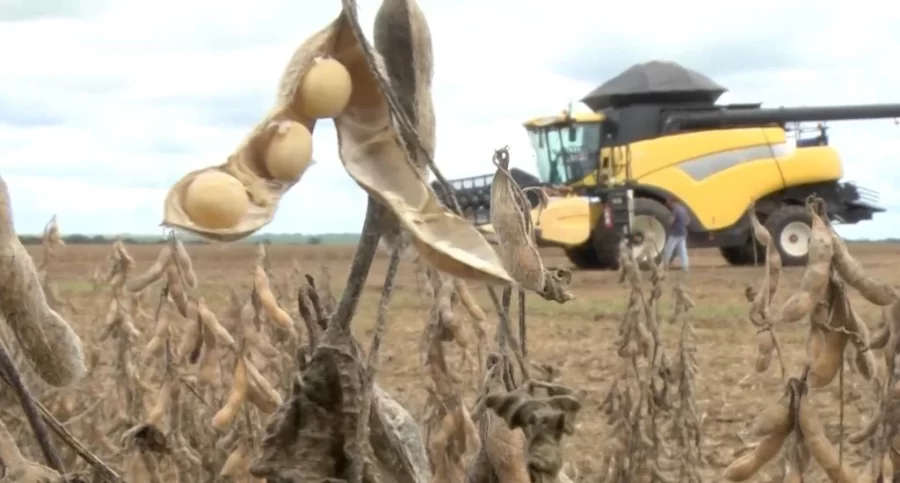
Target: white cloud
column 104, row 106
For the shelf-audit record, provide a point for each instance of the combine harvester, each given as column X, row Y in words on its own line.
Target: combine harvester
column 655, row 132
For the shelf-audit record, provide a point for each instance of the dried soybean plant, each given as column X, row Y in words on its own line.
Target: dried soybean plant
column 463, row 327
column 521, row 428
column 687, row 429
column 761, row 299
column 450, row 434
column 51, row 242
column 315, row 433
column 38, row 348
column 636, row 400
column 521, row 425
column 250, row 396
column 118, row 324
column 792, row 422
column 880, row 431
column 337, row 423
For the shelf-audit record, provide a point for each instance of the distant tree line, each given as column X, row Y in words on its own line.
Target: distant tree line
column 79, row 239
column 89, row 240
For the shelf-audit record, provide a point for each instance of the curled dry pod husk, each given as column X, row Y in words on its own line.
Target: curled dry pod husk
column 211, row 322
column 267, row 299
column 397, row 440
column 887, row 467
column 867, row 430
column 820, row 448
column 778, row 430
column 176, row 291
column 775, row 418
column 191, row 340
column 816, row 276
column 882, row 333
column 153, row 273
column 236, row 397
column 122, row 255
column 238, row 462
column 815, row 340
column 824, row 368
column 773, row 258
column 874, row 290
column 160, row 334
column 158, row 410
column 864, row 360
column 765, row 344
column 186, row 264
column 46, row 340
column 514, row 227
column 259, row 392
column 208, row 369
column 372, row 152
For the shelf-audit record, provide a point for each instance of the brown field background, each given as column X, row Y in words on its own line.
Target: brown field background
column 576, row 337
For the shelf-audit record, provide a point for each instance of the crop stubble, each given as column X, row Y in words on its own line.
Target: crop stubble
column 578, row 337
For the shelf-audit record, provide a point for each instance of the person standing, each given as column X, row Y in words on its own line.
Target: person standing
column 677, row 239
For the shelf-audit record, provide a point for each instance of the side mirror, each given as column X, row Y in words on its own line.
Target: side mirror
column 573, row 134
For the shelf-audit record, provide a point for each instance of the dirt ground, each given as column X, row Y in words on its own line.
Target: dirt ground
column 577, row 337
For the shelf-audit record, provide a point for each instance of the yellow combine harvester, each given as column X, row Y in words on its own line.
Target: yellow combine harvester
column 656, row 133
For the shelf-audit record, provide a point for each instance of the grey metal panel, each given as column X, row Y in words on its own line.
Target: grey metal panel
column 710, row 164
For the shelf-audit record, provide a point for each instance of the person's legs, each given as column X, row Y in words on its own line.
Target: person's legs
column 669, row 250
column 683, row 253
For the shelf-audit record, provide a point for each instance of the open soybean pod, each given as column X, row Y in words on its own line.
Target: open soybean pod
column 370, row 146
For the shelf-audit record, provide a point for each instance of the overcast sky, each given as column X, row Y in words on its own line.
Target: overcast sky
column 105, row 104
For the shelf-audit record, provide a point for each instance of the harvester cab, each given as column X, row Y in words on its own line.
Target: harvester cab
column 567, row 147
column 656, row 133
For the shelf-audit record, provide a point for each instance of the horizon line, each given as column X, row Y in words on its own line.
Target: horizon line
column 307, row 235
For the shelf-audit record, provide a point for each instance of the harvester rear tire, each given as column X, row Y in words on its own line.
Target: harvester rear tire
column 742, row 255
column 583, row 257
column 787, row 226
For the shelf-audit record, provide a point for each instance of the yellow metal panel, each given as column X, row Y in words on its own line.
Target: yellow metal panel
column 567, row 221
column 659, row 153
column 720, row 199
column 811, row 165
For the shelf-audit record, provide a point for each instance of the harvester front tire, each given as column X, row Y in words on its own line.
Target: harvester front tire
column 790, row 226
column 606, row 242
column 606, row 248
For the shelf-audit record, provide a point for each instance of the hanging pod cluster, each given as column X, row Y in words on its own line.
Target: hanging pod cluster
column 792, row 422
column 336, row 74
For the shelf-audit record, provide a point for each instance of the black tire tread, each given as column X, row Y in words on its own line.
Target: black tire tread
column 583, row 257
column 606, row 244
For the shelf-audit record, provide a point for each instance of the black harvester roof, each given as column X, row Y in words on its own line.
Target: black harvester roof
column 655, row 82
